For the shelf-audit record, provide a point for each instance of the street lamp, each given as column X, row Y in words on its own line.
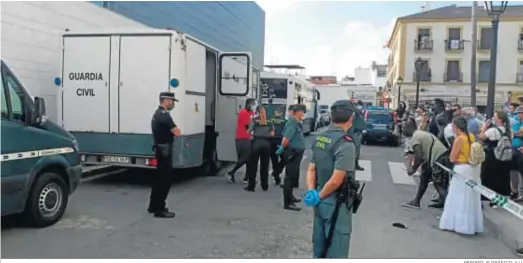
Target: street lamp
column 495, row 12
column 419, row 66
column 399, row 81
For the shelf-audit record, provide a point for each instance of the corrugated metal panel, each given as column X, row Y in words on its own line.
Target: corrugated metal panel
column 228, row 26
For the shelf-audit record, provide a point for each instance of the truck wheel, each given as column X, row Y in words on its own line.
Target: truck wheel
column 47, row 201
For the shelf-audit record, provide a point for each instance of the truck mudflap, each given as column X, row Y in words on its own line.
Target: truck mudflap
column 75, row 174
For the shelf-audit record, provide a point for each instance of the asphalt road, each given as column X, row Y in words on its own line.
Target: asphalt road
column 107, row 218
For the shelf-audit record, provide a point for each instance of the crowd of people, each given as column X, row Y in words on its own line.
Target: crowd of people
column 489, row 152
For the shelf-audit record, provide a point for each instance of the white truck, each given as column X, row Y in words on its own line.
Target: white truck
column 110, row 82
column 282, row 90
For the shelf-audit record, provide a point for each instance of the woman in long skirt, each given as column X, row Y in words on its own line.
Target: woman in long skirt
column 462, row 212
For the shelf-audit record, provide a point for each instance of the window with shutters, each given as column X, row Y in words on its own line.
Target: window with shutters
column 484, row 71
column 485, row 42
column 453, row 73
column 454, row 41
column 423, row 40
column 424, row 73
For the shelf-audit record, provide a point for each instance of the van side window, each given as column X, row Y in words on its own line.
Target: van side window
column 3, row 103
column 17, row 97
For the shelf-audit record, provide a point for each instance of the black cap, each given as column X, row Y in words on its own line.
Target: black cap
column 291, row 107
column 168, row 95
column 299, row 107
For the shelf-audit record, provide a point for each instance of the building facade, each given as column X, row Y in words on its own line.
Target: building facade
column 439, row 40
column 323, row 80
column 378, row 76
column 225, row 25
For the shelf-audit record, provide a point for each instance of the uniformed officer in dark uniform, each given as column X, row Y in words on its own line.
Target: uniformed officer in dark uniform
column 164, row 129
column 291, row 149
column 278, row 121
column 331, row 166
column 262, row 132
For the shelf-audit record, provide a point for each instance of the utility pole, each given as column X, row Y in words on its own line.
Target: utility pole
column 473, row 42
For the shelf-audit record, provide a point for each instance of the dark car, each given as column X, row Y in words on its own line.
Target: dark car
column 380, row 128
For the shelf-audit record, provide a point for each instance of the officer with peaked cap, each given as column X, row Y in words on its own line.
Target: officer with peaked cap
column 164, row 129
column 332, row 169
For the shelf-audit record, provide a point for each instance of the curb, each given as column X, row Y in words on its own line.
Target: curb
column 505, row 234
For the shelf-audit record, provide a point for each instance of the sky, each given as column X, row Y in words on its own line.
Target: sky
column 331, row 37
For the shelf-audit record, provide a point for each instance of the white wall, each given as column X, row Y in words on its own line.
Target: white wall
column 362, row 75
column 31, row 43
column 508, row 55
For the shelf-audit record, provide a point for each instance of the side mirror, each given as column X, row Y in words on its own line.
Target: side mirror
column 38, row 116
column 318, row 96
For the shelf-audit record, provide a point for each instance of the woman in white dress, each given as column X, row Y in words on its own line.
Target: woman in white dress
column 462, row 212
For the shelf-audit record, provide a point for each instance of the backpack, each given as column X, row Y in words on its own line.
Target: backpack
column 477, row 153
column 503, row 150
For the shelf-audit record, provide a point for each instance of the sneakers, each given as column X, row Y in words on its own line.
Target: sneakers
column 520, row 252
column 230, row 177
column 411, row 205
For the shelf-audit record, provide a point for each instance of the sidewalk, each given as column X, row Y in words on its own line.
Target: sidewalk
column 507, row 227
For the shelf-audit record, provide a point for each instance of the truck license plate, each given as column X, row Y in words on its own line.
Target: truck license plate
column 116, row 159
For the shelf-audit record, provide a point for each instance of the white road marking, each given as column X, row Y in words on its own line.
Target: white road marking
column 399, row 175
column 365, row 175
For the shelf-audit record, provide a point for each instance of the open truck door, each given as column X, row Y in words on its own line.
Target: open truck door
column 234, row 79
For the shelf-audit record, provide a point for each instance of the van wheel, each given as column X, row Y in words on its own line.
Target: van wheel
column 47, row 201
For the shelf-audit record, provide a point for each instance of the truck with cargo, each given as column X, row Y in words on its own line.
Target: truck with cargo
column 110, row 85
column 282, row 90
column 40, row 164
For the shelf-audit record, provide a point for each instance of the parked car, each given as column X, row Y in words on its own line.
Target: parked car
column 380, row 128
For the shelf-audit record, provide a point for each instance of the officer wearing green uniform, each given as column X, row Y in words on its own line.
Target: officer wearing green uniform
column 292, row 148
column 356, row 133
column 278, row 121
column 332, row 167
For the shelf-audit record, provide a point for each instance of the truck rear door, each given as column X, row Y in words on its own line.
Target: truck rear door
column 234, row 73
column 85, row 77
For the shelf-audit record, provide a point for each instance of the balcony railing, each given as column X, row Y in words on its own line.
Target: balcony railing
column 519, row 78
column 520, row 44
column 423, row 45
column 424, row 76
column 454, row 44
column 453, row 77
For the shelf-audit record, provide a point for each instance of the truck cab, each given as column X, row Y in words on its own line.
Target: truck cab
column 40, row 165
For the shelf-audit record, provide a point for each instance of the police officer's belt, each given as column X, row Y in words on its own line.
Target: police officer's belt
column 163, row 148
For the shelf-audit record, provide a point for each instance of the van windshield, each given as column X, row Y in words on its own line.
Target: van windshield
column 379, row 118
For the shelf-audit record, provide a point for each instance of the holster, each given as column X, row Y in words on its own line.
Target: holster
column 289, row 154
column 348, row 193
column 163, row 148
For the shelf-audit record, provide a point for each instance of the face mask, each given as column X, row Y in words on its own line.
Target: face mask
column 359, row 107
column 170, row 106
